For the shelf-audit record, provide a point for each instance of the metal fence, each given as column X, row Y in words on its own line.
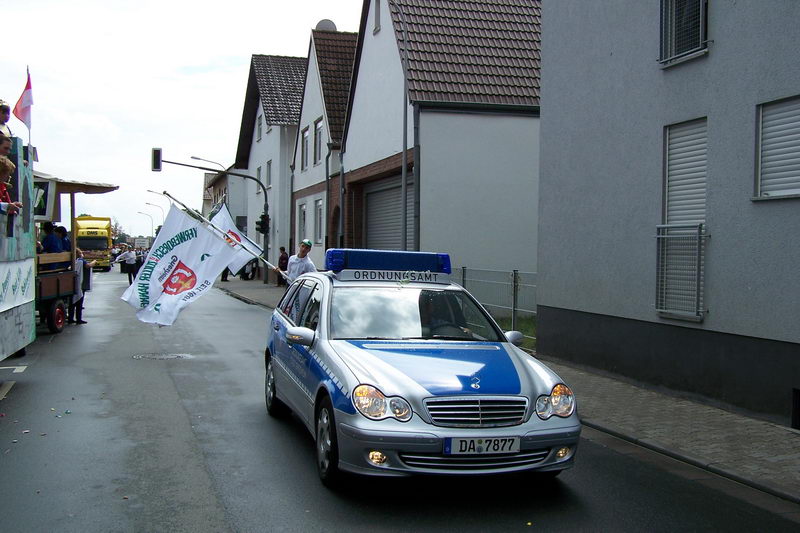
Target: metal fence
column 680, row 271
column 505, row 294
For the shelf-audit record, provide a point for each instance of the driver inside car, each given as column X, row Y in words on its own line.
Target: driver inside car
column 438, row 317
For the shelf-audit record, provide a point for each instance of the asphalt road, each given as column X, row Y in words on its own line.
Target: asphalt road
column 121, row 426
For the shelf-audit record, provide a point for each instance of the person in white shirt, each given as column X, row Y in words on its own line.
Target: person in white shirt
column 129, row 266
column 299, row 263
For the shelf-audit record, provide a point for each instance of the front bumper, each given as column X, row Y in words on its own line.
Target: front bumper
column 418, row 448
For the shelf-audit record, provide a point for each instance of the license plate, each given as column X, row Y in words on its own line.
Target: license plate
column 455, row 446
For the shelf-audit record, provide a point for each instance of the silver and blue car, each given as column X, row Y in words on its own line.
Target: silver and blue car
column 395, row 371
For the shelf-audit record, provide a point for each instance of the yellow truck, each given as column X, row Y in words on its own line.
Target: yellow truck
column 94, row 238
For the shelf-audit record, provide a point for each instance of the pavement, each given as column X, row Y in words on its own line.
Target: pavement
column 755, row 452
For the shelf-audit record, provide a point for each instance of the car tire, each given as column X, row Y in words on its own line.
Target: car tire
column 275, row 407
column 56, row 316
column 327, row 445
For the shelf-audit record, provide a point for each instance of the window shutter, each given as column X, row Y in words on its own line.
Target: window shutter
column 686, row 173
column 780, row 148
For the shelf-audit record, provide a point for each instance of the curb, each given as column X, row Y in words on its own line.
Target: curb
column 650, row 445
column 244, row 299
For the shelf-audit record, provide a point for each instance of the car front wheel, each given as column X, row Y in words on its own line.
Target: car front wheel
column 327, row 445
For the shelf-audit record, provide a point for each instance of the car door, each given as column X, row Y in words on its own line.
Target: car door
column 285, row 382
column 310, row 319
column 294, row 358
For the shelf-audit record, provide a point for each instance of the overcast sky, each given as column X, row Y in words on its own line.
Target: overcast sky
column 113, row 78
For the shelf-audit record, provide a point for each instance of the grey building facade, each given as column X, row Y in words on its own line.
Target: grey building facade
column 670, row 195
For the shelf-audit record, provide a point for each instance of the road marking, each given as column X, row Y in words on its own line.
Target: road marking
column 17, row 369
column 5, row 387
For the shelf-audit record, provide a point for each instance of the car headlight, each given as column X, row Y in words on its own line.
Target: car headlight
column 560, row 402
column 371, row 403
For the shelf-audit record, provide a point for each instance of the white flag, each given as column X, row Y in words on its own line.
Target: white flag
column 223, row 220
column 181, row 267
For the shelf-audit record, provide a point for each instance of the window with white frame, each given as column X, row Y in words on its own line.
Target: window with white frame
column 258, row 128
column 684, row 28
column 304, row 149
column 778, row 165
column 318, row 222
column 269, row 174
column 301, row 222
column 258, row 177
column 317, row 141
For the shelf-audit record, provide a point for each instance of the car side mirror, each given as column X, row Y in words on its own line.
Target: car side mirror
column 515, row 337
column 299, row 335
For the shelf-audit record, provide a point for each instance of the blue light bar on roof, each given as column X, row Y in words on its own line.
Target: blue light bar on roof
column 338, row 259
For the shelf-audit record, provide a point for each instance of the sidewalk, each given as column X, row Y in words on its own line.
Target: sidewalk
column 754, row 452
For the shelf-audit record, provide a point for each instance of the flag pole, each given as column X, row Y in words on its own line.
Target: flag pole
column 220, row 233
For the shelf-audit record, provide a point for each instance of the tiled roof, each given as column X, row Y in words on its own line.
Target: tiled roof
column 280, row 84
column 335, row 52
column 275, row 85
column 476, row 52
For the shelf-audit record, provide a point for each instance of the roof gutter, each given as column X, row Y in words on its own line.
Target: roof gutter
column 471, row 107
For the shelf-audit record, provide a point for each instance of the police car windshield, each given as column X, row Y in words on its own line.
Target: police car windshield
column 408, row 313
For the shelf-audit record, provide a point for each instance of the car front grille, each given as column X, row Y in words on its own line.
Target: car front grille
column 477, row 412
column 466, row 463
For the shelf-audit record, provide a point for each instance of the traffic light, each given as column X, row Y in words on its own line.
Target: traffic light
column 155, row 165
column 262, row 224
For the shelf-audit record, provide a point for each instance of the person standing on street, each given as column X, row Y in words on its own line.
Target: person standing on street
column 129, row 265
column 283, row 264
column 299, row 263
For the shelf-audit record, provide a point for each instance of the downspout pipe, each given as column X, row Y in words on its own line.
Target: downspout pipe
column 327, row 191
column 417, row 160
column 340, row 235
column 404, row 157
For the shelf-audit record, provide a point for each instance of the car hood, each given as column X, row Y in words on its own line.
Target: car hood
column 440, row 368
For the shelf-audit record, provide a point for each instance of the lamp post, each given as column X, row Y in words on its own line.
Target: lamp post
column 151, row 221
column 160, row 209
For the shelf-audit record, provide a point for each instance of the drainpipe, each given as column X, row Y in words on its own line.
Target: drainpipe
column 416, row 178
column 340, row 235
column 404, row 157
column 327, row 189
column 291, row 206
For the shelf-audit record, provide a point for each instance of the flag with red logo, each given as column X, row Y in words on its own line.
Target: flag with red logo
column 182, row 265
column 23, row 108
column 246, row 249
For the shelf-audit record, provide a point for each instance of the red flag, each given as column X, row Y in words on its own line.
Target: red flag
column 23, row 108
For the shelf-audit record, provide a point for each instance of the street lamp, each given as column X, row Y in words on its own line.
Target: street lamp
column 152, row 233
column 207, row 161
column 160, row 208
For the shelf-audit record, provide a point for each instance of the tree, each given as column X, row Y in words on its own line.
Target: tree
column 118, row 234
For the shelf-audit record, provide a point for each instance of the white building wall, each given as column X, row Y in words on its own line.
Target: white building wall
column 237, row 196
column 271, row 147
column 479, row 189
column 313, row 110
column 375, row 129
column 317, row 253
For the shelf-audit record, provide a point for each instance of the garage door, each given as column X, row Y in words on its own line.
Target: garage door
column 384, row 215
